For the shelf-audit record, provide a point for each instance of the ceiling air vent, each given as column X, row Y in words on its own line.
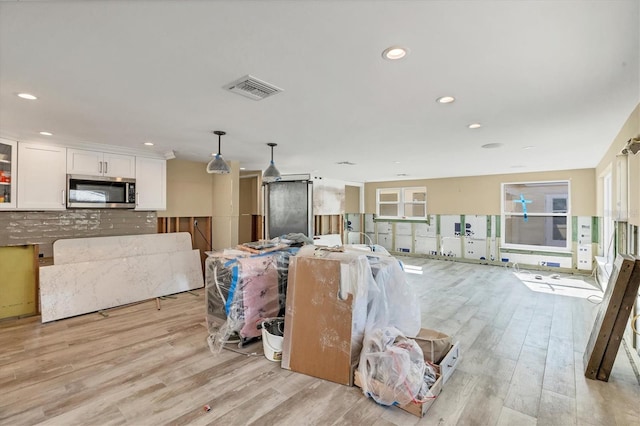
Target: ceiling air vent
column 253, row 88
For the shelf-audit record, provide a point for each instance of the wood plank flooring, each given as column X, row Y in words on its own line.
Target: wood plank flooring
column 521, row 364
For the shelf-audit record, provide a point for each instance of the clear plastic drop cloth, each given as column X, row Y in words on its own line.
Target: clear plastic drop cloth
column 241, row 293
column 393, row 370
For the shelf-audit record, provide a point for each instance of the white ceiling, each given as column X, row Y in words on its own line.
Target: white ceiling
column 561, row 76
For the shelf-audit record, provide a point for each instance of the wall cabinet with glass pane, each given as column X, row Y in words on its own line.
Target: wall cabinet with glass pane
column 8, row 163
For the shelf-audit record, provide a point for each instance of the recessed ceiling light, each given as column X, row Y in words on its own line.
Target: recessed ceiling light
column 243, row 168
column 492, row 145
column 46, row 133
column 529, row 147
column 148, row 143
column 474, row 125
column 27, row 96
column 394, row 52
column 445, row 99
column 396, row 162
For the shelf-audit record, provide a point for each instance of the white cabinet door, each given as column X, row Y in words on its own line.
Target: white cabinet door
column 8, row 179
column 96, row 163
column 41, row 177
column 151, row 184
column 117, row 165
column 81, row 162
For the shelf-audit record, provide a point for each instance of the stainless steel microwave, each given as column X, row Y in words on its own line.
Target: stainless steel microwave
column 100, row 192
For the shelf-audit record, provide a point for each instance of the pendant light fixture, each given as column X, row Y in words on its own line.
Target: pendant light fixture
column 271, row 174
column 218, row 165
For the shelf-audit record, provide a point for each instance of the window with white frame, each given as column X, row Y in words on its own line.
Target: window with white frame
column 536, row 215
column 402, row 203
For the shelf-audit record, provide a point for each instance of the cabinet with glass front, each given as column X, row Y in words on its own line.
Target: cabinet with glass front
column 7, row 174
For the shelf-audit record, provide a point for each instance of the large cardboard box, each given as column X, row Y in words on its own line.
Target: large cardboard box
column 326, row 310
column 416, row 408
column 322, row 336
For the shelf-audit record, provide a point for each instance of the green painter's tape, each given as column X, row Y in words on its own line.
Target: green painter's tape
column 574, row 228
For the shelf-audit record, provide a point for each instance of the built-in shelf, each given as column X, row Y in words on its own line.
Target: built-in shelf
column 5, row 161
column 5, row 183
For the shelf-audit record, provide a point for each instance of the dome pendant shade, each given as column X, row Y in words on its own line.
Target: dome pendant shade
column 272, row 174
column 217, row 164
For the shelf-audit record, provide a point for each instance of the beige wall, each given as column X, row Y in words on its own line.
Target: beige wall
column 352, row 199
column 610, row 160
column 189, row 189
column 248, row 206
column 225, row 208
column 258, row 188
column 481, row 194
column 249, row 195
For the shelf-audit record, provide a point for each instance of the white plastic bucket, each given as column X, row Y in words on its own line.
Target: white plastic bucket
column 272, row 345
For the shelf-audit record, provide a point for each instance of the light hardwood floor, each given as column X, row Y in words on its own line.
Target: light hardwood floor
column 521, row 365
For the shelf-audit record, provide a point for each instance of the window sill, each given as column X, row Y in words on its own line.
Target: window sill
column 400, row 219
column 550, row 251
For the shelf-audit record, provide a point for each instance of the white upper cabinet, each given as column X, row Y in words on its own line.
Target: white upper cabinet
column 41, row 177
column 151, row 184
column 96, row 163
column 8, row 155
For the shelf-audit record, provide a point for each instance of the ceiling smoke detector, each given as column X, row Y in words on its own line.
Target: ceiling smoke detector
column 253, row 88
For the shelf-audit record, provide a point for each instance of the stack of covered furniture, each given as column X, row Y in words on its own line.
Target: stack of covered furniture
column 243, row 289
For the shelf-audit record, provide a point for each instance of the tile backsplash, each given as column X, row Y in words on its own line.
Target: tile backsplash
column 45, row 227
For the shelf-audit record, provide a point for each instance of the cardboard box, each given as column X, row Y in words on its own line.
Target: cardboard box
column 416, row 408
column 322, row 336
column 434, row 344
